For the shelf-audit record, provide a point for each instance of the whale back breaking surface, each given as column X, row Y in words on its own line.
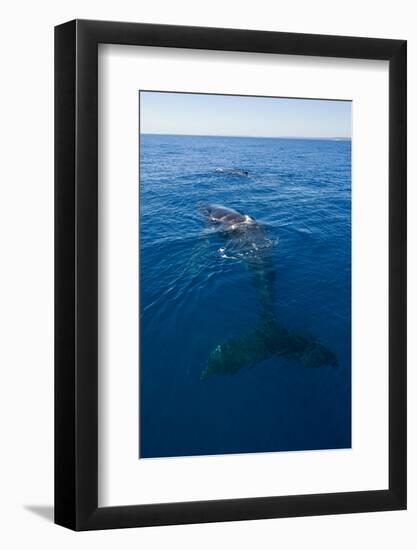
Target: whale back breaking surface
column 232, row 171
column 221, row 214
column 245, row 238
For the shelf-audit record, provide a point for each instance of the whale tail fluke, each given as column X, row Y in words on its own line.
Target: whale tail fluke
column 266, row 340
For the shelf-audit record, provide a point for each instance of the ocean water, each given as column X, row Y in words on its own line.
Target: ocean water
column 194, row 296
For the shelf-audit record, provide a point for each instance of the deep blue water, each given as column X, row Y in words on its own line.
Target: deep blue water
column 192, row 299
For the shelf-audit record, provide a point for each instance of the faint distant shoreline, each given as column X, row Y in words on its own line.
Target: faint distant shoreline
column 301, row 138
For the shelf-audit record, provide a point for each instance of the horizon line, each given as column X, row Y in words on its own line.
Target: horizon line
column 340, row 138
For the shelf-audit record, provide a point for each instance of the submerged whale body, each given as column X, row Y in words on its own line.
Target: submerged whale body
column 232, row 171
column 246, row 239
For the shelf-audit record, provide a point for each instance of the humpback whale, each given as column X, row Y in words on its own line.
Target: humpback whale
column 247, row 240
column 232, row 171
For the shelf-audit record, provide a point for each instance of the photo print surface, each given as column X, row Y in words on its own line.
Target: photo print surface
column 245, row 274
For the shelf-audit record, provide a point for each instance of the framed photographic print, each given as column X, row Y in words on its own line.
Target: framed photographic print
column 230, row 257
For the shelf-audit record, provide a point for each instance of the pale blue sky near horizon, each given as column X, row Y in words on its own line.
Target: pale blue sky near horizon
column 227, row 115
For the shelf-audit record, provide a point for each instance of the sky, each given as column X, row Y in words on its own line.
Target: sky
column 226, row 115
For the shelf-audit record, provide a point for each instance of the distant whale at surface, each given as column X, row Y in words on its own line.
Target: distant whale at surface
column 232, row 171
column 246, row 240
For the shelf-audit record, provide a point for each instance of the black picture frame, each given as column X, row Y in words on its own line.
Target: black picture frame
column 76, row 272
